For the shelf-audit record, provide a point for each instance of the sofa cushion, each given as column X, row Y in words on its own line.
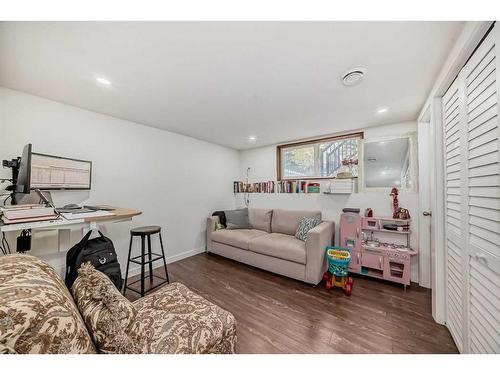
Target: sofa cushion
column 236, row 237
column 237, row 219
column 287, row 222
column 37, row 313
column 281, row 246
column 107, row 314
column 176, row 320
column 260, row 219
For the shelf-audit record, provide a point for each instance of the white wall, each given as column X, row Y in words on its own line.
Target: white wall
column 176, row 181
column 262, row 162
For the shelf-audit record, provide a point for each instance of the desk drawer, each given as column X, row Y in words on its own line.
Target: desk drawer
column 372, row 260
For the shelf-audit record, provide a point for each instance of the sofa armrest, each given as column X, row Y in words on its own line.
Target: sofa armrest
column 212, row 221
column 318, row 239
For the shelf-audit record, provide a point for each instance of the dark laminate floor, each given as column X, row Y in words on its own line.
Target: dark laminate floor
column 275, row 314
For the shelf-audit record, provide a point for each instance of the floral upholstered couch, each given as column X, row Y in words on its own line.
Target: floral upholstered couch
column 38, row 314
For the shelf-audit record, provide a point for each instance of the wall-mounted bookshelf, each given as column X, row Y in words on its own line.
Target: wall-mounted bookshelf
column 280, row 187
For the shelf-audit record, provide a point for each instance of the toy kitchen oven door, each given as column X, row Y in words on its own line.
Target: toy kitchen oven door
column 350, row 237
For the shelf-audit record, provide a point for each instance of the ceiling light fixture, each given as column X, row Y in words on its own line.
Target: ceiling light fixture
column 252, row 138
column 382, row 110
column 353, row 76
column 103, row 81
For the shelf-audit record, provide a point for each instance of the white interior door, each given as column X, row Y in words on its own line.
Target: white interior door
column 483, row 183
column 455, row 240
column 472, row 192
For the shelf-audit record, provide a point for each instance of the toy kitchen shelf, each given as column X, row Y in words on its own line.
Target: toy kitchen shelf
column 370, row 257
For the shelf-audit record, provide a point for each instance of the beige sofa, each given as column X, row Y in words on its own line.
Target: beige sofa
column 39, row 315
column 271, row 243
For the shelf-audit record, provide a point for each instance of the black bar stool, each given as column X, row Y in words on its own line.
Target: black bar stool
column 144, row 232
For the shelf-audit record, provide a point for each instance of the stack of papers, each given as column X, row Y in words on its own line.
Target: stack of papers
column 341, row 186
column 26, row 213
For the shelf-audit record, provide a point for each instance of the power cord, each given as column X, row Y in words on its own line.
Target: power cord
column 4, row 245
column 6, row 199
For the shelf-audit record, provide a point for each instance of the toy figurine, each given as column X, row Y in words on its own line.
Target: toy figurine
column 398, row 212
column 403, row 214
column 395, row 203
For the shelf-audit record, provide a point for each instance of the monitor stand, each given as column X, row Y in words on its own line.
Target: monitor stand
column 14, row 166
column 45, row 200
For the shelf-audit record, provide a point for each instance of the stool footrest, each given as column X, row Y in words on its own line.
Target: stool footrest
column 154, row 258
column 165, row 281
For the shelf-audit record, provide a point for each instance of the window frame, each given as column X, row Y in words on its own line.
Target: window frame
column 279, row 148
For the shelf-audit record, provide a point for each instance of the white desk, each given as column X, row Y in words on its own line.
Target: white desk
column 64, row 226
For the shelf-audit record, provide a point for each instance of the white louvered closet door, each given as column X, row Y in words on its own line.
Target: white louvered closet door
column 483, row 180
column 455, row 240
column 471, row 145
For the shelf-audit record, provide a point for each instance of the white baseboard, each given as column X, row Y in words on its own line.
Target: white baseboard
column 170, row 259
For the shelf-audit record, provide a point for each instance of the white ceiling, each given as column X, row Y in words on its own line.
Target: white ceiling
column 226, row 81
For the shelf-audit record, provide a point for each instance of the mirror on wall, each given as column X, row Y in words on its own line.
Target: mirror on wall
column 387, row 163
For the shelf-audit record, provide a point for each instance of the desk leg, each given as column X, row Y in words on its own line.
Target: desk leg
column 64, row 239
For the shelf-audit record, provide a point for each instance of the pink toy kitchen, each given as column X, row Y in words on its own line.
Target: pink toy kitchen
column 380, row 246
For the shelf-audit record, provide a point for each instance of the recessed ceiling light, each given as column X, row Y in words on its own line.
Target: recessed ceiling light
column 252, row 138
column 382, row 110
column 103, row 81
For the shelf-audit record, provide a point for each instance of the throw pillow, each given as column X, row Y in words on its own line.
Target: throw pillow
column 260, row 219
column 305, row 225
column 107, row 314
column 237, row 219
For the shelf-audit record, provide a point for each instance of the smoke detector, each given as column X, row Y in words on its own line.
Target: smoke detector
column 353, row 76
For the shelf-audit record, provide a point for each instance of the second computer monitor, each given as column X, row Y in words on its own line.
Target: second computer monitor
column 54, row 172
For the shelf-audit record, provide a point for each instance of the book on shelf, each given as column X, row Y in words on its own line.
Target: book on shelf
column 256, row 187
column 298, row 186
column 284, row 186
column 313, row 187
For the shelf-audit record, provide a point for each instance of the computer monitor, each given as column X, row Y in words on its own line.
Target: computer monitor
column 50, row 172
column 23, row 183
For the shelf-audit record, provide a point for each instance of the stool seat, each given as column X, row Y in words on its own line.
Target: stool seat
column 144, row 231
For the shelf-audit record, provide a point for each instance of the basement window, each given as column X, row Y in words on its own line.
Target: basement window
column 317, row 159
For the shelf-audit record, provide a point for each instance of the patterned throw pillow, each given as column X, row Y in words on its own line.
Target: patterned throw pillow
column 107, row 314
column 37, row 313
column 305, row 225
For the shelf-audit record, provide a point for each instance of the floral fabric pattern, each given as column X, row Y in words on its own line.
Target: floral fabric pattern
column 37, row 313
column 176, row 320
column 107, row 314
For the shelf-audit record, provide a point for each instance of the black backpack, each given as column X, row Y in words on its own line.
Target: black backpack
column 100, row 252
